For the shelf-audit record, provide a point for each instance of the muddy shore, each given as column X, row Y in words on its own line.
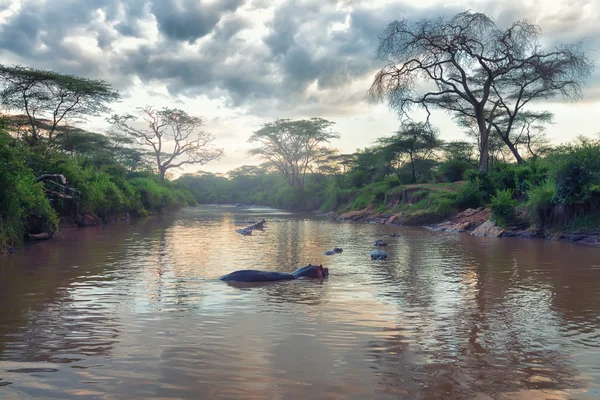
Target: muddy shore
column 476, row 222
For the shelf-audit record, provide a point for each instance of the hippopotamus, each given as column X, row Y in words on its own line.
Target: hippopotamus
column 334, row 251
column 380, row 243
column 395, row 235
column 252, row 275
column 379, row 255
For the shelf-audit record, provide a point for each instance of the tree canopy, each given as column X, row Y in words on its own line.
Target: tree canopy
column 170, row 127
column 478, row 71
column 293, row 146
column 48, row 99
column 412, row 144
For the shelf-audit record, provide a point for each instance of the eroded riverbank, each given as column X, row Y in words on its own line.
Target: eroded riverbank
column 473, row 221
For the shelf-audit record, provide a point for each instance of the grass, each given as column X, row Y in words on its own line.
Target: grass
column 418, row 203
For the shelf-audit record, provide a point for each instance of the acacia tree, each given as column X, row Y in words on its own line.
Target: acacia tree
column 292, row 146
column 413, row 143
column 48, row 99
column 170, row 127
column 477, row 69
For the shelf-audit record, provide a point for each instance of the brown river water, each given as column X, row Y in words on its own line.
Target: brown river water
column 135, row 310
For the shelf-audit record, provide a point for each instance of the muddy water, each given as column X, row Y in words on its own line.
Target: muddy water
column 135, row 311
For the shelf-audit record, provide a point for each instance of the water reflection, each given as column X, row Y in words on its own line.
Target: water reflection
column 136, row 310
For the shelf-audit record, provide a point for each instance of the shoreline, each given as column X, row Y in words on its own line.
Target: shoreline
column 475, row 222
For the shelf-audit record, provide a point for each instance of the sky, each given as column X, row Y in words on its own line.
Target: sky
column 240, row 63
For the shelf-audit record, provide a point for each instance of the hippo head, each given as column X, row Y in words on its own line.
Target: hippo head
column 312, row 271
column 323, row 271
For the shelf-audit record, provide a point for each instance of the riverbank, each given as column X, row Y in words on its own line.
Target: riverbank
column 474, row 221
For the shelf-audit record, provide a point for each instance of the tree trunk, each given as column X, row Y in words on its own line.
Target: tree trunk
column 483, row 146
column 514, row 151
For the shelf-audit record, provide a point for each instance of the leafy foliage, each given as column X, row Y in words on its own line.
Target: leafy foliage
column 411, row 145
column 48, row 99
column 21, row 198
column 477, row 71
column 503, row 207
column 293, row 147
column 454, row 170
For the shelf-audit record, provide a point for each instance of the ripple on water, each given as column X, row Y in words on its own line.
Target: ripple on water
column 137, row 310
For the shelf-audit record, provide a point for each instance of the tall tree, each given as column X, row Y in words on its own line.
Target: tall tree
column 175, row 137
column 477, row 69
column 412, row 144
column 49, row 99
column 292, row 146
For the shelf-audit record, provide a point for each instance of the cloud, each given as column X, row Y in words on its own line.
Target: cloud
column 262, row 59
column 189, row 20
column 267, row 57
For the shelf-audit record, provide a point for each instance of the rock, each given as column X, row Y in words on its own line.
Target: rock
column 394, row 218
column 466, row 220
column 488, row 228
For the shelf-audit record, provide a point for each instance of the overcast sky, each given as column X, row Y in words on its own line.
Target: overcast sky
column 240, row 63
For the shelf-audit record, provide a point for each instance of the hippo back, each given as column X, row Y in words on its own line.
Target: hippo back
column 251, row 275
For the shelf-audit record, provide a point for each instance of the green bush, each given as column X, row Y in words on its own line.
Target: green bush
column 539, row 204
column 482, row 183
column 469, row 196
column 518, row 178
column 503, row 207
column 454, row 170
column 575, row 170
column 22, row 200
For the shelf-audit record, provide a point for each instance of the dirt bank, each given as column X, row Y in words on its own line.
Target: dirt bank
column 473, row 221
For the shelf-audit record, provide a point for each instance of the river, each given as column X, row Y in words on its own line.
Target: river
column 135, row 310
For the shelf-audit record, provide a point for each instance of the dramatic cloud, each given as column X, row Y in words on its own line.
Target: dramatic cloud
column 257, row 59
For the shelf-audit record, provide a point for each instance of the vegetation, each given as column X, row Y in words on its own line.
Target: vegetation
column 191, row 145
column 484, row 76
column 293, row 147
column 105, row 176
column 47, row 100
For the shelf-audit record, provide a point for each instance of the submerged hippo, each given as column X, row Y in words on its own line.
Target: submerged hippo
column 380, row 243
column 379, row 254
column 252, row 275
column 334, row 251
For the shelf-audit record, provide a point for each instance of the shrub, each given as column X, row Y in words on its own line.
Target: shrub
column 482, row 183
column 519, row 178
column 468, row 196
column 22, row 200
column 575, row 170
column 539, row 204
column 454, row 170
column 503, row 207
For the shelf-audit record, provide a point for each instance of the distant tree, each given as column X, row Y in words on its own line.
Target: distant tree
column 49, row 99
column 247, row 171
column 170, row 126
column 478, row 70
column 460, row 150
column 102, row 149
column 325, row 162
column 365, row 165
column 292, row 147
column 411, row 145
